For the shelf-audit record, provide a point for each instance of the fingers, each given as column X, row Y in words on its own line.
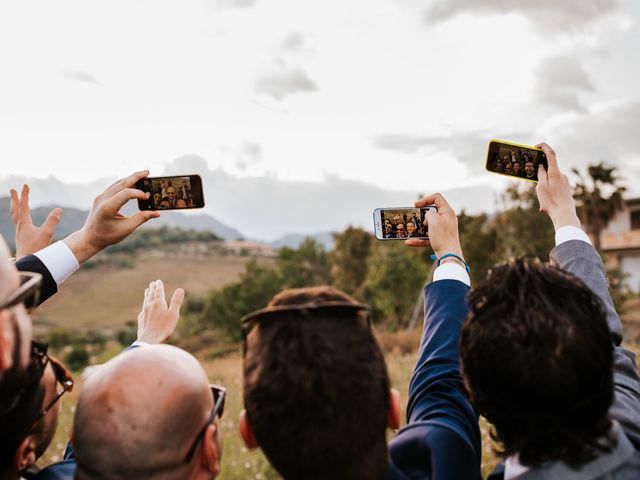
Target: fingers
column 23, row 205
column 552, row 162
column 146, row 298
column 123, row 196
column 127, row 182
column 14, row 206
column 134, row 221
column 160, row 293
column 176, row 301
column 152, row 291
column 435, row 199
column 417, row 242
column 52, row 220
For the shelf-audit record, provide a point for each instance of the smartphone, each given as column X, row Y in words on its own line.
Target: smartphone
column 171, row 193
column 400, row 223
column 513, row 160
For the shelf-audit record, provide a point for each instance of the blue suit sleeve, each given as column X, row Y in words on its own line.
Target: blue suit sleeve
column 31, row 263
column 442, row 437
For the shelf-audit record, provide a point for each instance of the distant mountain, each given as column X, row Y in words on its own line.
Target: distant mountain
column 293, row 240
column 73, row 218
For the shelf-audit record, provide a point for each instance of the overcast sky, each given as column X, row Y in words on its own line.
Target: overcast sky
column 309, row 114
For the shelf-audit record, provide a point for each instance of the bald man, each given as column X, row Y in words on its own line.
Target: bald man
column 147, row 413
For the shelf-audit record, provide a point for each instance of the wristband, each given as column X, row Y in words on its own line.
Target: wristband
column 452, row 255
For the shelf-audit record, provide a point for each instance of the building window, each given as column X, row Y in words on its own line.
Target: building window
column 635, row 220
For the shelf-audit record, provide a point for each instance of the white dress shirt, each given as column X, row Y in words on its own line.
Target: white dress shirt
column 59, row 260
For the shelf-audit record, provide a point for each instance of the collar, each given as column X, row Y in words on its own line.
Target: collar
column 513, row 469
column 595, row 469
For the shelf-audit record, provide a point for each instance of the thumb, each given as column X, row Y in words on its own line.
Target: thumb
column 52, row 220
column 141, row 217
column 176, row 301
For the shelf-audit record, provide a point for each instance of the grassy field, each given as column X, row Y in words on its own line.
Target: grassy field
column 112, row 296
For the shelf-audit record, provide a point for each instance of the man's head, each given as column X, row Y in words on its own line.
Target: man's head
column 411, row 228
column 400, row 230
column 171, row 194
column 508, row 168
column 140, row 413
column 396, row 219
column 29, row 424
column 529, row 169
column 536, row 355
column 516, row 168
column 316, row 389
column 157, row 197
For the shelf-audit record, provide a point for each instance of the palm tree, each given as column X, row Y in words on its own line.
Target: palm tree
column 598, row 198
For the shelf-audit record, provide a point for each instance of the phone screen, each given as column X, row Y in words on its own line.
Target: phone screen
column 171, row 193
column 400, row 223
column 517, row 161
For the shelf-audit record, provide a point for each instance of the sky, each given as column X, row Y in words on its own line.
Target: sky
column 305, row 116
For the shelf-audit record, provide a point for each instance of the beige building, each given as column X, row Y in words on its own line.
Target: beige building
column 621, row 242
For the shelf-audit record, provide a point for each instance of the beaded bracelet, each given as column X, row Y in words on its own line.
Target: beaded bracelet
column 452, row 255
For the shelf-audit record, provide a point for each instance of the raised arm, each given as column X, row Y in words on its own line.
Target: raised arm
column 575, row 254
column 105, row 226
column 442, row 437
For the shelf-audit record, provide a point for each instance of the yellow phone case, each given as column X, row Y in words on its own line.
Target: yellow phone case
column 486, row 163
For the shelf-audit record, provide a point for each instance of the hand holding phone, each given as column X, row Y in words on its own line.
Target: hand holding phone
column 514, row 160
column 171, row 193
column 443, row 227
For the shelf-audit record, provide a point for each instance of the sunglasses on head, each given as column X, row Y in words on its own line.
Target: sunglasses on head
column 28, row 292
column 248, row 322
column 219, row 393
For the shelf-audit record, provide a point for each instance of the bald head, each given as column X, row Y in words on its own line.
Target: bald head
column 139, row 413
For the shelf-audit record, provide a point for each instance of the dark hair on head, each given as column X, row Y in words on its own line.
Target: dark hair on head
column 316, row 390
column 15, row 423
column 537, row 357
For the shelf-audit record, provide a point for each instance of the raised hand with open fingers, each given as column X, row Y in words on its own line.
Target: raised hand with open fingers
column 105, row 224
column 30, row 238
column 157, row 321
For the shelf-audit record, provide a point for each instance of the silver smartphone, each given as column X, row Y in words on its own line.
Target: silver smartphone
column 400, row 223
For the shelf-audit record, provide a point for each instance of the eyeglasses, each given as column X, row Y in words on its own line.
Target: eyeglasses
column 305, row 309
column 28, row 292
column 219, row 394
column 37, row 366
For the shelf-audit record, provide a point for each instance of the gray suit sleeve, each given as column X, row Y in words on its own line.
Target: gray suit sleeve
column 582, row 260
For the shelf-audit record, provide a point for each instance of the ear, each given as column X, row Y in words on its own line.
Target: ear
column 25, row 455
column 211, row 450
column 6, row 335
column 395, row 410
column 246, row 431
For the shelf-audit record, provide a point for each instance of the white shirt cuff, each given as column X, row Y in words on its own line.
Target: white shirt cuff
column 569, row 232
column 139, row 344
column 451, row 271
column 59, row 260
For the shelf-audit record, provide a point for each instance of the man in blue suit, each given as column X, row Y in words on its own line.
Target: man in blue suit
column 316, row 390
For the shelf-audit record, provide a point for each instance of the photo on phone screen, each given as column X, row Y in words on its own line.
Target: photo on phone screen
column 400, row 223
column 515, row 160
column 171, row 193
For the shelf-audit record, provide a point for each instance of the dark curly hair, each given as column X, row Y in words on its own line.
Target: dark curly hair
column 537, row 357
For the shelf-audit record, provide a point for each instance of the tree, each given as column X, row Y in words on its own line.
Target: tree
column 225, row 307
column 599, row 196
column 396, row 274
column 349, row 258
column 305, row 266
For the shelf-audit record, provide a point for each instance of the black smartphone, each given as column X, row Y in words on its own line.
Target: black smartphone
column 171, row 193
column 400, row 223
column 513, row 160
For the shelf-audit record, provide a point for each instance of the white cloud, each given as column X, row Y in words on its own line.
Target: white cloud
column 80, row 76
column 560, row 81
